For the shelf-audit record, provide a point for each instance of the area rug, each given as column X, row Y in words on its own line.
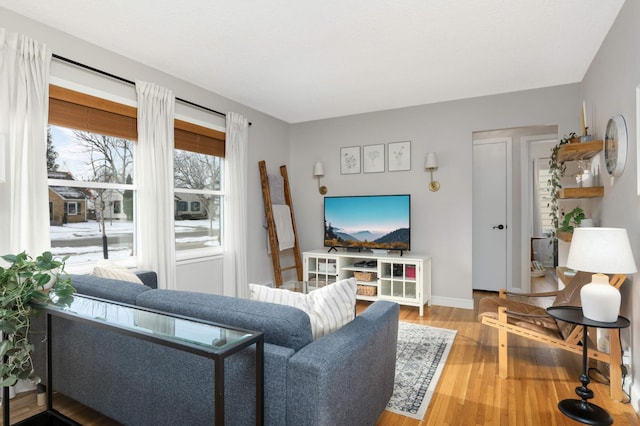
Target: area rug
column 421, row 355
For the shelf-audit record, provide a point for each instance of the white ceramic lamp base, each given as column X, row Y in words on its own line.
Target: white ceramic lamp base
column 600, row 301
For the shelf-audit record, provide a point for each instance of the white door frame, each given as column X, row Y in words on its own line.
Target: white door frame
column 526, row 188
column 509, row 213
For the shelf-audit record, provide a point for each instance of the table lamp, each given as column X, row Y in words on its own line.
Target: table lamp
column 601, row 251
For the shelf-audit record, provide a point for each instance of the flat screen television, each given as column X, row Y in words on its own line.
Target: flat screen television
column 377, row 222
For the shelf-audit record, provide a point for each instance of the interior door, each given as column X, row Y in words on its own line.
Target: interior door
column 491, row 210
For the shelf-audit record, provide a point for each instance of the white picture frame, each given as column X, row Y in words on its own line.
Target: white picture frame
column 373, row 158
column 350, row 160
column 399, row 156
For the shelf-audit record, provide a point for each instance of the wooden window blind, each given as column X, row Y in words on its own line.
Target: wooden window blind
column 77, row 110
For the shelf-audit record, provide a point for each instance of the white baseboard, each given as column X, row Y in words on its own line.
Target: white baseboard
column 635, row 400
column 451, row 302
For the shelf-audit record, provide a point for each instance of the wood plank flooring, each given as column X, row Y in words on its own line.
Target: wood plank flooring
column 469, row 391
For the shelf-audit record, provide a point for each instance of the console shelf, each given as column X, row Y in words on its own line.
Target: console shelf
column 402, row 279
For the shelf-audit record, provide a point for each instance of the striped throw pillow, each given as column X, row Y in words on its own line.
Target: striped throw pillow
column 329, row 307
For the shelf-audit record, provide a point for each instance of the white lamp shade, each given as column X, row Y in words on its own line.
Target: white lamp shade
column 318, row 169
column 431, row 161
column 601, row 250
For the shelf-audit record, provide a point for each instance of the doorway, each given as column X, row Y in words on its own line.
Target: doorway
column 519, row 223
column 491, row 211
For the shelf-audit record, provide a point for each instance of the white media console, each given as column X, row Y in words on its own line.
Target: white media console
column 403, row 279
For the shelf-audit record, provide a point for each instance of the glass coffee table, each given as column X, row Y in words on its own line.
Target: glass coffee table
column 207, row 339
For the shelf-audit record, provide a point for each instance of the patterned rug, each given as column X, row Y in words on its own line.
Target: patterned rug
column 421, row 356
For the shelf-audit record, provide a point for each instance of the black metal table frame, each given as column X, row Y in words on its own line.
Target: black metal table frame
column 582, row 410
column 218, row 358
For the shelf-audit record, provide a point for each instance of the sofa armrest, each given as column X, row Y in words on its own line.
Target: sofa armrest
column 346, row 377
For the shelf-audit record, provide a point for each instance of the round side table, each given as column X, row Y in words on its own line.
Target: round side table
column 582, row 410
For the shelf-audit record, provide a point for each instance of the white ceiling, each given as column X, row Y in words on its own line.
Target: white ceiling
column 301, row 60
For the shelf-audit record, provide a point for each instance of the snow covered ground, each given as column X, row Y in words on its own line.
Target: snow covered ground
column 83, row 241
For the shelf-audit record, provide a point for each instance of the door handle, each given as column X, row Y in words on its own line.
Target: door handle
column 501, row 226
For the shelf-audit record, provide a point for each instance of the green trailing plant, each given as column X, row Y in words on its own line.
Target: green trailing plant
column 25, row 280
column 556, row 171
column 571, row 220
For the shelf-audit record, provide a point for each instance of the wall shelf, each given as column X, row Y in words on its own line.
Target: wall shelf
column 579, row 151
column 588, row 192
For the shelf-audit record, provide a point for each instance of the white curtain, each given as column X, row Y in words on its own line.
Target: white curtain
column 24, row 106
column 154, row 181
column 235, row 206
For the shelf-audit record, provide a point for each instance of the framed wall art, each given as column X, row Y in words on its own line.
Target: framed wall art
column 399, row 156
column 373, row 158
column 350, row 160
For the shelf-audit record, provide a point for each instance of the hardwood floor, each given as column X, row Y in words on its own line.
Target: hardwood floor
column 469, row 391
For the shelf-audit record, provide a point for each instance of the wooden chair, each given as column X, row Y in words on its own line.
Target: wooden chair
column 530, row 321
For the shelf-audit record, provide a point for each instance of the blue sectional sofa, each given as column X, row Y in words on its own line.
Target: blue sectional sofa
column 344, row 378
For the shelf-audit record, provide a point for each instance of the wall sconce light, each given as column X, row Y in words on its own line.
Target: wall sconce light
column 318, row 172
column 431, row 163
column 3, row 159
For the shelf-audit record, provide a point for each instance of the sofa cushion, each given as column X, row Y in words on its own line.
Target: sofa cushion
column 281, row 325
column 329, row 308
column 107, row 288
column 107, row 269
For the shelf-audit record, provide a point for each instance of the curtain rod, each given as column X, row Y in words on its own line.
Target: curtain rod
column 124, row 80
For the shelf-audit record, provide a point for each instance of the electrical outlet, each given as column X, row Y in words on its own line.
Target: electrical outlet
column 626, row 358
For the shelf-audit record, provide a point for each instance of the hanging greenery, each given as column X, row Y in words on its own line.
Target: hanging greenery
column 556, row 170
column 23, row 281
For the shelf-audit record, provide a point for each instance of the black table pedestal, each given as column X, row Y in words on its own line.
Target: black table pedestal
column 584, row 412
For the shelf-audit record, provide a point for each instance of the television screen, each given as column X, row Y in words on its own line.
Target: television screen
column 368, row 222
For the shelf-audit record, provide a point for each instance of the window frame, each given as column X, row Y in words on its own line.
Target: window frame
column 72, row 107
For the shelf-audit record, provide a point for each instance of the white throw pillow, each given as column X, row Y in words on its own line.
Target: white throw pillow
column 329, row 307
column 107, row 269
column 334, row 305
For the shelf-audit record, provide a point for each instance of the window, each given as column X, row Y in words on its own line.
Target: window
column 544, row 222
column 198, row 194
column 91, row 157
column 90, row 161
column 71, row 208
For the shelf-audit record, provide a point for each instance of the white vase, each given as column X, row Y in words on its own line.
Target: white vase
column 600, row 300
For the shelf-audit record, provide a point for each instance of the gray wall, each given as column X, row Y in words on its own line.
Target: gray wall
column 441, row 221
column 609, row 88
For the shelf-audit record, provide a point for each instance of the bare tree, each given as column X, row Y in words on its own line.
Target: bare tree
column 111, row 157
column 111, row 160
column 199, row 171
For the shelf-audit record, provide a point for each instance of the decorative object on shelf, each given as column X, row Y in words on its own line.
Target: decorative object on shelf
column 373, row 158
column 601, row 251
column 350, row 160
column 22, row 281
column 585, row 137
column 399, row 156
column 615, row 145
column 571, row 220
column 431, row 164
column 318, row 172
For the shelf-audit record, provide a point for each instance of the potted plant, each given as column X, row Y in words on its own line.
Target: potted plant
column 23, row 281
column 571, row 220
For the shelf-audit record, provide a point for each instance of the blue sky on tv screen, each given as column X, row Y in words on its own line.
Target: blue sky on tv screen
column 378, row 214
